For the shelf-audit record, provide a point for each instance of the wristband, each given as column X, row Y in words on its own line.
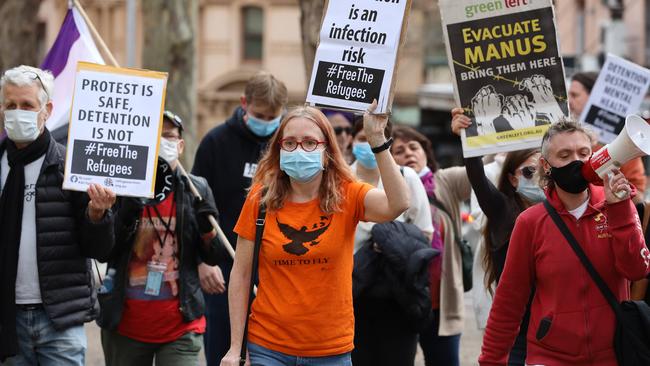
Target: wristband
column 382, row 147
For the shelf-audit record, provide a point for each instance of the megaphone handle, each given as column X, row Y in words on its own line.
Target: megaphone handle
column 620, row 194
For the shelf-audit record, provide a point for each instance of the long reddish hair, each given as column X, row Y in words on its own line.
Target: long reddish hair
column 276, row 183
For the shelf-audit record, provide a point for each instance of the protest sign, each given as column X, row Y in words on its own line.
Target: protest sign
column 508, row 73
column 618, row 91
column 357, row 55
column 114, row 130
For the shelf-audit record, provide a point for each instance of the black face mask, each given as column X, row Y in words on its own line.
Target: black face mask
column 569, row 177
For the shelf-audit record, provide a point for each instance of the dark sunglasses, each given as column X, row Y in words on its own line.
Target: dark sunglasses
column 528, row 171
column 339, row 130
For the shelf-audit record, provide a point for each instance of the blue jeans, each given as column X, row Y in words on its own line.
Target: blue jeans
column 40, row 344
column 438, row 350
column 261, row 356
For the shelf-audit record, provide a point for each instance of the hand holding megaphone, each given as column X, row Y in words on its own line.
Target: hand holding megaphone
column 632, row 142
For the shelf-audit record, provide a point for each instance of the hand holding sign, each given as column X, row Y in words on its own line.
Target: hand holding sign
column 374, row 125
column 101, row 199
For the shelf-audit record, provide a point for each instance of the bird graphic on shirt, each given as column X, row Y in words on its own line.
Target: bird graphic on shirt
column 301, row 236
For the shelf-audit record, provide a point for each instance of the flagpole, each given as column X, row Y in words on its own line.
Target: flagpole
column 195, row 192
column 93, row 30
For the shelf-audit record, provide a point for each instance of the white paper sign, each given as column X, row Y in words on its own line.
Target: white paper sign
column 618, row 92
column 356, row 56
column 114, row 130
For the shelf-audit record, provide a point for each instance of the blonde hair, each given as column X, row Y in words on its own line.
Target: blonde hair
column 264, row 88
column 276, row 183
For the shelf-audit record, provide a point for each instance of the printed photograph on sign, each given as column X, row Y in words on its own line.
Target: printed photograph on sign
column 619, row 91
column 357, row 55
column 114, row 129
column 508, row 73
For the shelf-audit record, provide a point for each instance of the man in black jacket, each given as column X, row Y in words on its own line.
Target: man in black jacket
column 152, row 304
column 227, row 157
column 46, row 282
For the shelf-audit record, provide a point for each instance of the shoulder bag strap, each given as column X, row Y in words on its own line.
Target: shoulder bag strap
column 609, row 295
column 259, row 231
column 434, row 201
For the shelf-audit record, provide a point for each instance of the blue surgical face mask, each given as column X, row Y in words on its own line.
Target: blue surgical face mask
column 530, row 191
column 364, row 155
column 261, row 127
column 301, row 165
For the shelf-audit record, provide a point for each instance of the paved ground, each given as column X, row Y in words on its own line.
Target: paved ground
column 470, row 342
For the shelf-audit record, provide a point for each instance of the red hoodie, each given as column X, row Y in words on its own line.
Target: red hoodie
column 570, row 323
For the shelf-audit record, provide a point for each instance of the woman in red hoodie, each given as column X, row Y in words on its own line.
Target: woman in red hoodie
column 571, row 323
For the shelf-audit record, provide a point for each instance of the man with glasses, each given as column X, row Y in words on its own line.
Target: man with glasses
column 227, row 157
column 342, row 124
column 155, row 307
column 48, row 234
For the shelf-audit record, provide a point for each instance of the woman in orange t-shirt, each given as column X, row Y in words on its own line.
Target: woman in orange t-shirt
column 303, row 309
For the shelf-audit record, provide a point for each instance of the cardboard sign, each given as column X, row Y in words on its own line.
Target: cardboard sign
column 618, row 91
column 508, row 73
column 356, row 58
column 114, row 131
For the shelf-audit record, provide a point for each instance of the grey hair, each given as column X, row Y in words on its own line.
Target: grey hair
column 18, row 76
column 563, row 126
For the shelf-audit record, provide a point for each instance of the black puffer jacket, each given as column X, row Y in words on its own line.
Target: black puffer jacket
column 65, row 239
column 192, row 252
column 400, row 271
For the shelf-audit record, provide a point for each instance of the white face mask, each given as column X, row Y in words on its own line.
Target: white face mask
column 168, row 150
column 21, row 125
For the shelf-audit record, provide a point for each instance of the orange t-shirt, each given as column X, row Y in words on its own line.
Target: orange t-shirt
column 304, row 299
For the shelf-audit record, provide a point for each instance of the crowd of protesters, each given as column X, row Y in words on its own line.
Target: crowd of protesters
column 346, row 225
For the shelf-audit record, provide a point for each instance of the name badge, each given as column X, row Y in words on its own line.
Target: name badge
column 155, row 275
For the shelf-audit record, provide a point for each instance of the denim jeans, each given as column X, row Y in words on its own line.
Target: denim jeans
column 261, row 356
column 40, row 344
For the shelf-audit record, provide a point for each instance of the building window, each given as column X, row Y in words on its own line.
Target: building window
column 253, row 20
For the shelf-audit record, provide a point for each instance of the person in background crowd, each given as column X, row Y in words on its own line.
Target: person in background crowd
column 47, row 290
column 570, row 321
column 303, row 309
column 481, row 296
column 383, row 333
column 227, row 157
column 440, row 341
column 342, row 123
column 517, row 189
column 155, row 306
column 579, row 91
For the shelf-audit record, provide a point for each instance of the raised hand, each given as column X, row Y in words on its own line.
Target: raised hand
column 486, row 105
column 101, row 199
column 459, row 120
column 543, row 99
column 374, row 125
column 519, row 112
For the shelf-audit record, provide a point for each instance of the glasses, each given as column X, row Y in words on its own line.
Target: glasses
column 339, row 130
column 34, row 76
column 308, row 144
column 528, row 171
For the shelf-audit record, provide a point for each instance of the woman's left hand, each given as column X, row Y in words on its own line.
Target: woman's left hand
column 459, row 120
column 374, row 125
